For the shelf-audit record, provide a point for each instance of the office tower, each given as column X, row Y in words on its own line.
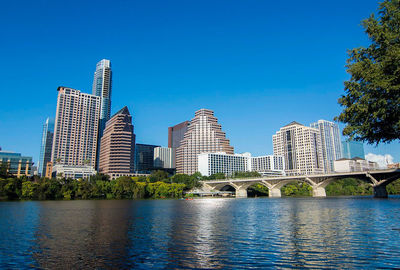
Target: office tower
column 117, row 146
column 102, row 83
column 102, row 88
column 204, row 135
column 46, row 146
column 76, row 128
column 16, row 164
column 144, row 157
column 163, row 157
column 301, row 148
column 175, row 136
column 331, row 143
column 352, row 149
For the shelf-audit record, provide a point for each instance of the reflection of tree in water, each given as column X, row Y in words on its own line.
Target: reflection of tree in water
column 83, row 234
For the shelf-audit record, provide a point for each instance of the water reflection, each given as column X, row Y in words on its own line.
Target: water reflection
column 209, row 233
column 82, row 234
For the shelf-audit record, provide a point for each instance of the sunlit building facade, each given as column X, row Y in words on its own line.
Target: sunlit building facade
column 175, row 137
column 204, row 135
column 164, row 157
column 301, row 149
column 76, row 128
column 16, row 164
column 46, row 145
column 117, row 147
column 330, row 142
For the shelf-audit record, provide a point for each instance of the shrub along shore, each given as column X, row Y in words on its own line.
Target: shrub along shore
column 155, row 186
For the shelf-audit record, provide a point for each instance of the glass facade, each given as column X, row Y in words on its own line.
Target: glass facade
column 17, row 164
column 353, row 149
column 144, row 157
column 330, row 142
column 46, row 145
column 102, row 83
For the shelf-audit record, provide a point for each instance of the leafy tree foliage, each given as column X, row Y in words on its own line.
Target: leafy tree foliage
column 372, row 101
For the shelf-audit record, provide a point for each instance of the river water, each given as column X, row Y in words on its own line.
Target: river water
column 259, row 233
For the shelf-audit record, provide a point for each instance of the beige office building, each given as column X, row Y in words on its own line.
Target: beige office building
column 204, row 135
column 117, row 146
column 301, row 148
column 76, row 128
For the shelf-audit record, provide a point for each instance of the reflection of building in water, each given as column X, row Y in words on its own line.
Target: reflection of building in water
column 308, row 228
column 83, row 234
column 203, row 239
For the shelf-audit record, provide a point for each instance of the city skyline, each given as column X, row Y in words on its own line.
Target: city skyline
column 165, row 76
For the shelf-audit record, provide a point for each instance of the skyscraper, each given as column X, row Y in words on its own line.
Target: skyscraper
column 353, row 149
column 117, row 151
column 102, row 88
column 102, row 83
column 331, row 143
column 76, row 128
column 204, row 135
column 301, row 148
column 175, row 136
column 46, row 146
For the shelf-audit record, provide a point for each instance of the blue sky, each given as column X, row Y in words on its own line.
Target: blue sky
column 258, row 64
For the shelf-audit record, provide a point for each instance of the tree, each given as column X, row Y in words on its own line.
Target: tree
column 372, row 101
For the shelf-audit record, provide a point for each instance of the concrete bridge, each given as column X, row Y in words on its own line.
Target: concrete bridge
column 378, row 179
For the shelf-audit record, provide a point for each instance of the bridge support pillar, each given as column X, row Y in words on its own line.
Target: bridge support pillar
column 274, row 193
column 318, row 192
column 241, row 193
column 380, row 191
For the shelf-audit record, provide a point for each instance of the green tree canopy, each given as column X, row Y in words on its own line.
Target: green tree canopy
column 372, row 101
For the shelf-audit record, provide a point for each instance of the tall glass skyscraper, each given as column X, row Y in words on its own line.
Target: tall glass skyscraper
column 46, row 146
column 102, row 88
column 331, row 144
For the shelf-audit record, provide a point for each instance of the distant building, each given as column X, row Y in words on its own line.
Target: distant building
column 301, row 148
column 72, row 171
column 144, row 157
column 268, row 165
column 204, row 135
column 46, row 145
column 163, row 157
column 354, row 165
column 212, row 163
column 175, row 136
column 49, row 170
column 330, row 141
column 76, row 128
column 393, row 166
column 102, row 86
column 16, row 164
column 352, row 149
column 117, row 151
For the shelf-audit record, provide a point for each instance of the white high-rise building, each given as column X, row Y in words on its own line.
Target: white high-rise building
column 212, row 163
column 164, row 157
column 76, row 128
column 267, row 165
column 301, row 148
column 331, row 143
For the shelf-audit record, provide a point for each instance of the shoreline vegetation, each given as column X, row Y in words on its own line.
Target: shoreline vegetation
column 158, row 185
